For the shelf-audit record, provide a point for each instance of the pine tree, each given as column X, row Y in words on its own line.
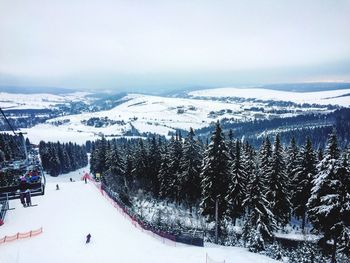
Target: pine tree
column 277, row 185
column 305, row 173
column 53, row 161
column 326, row 203
column 100, row 156
column 175, row 155
column 249, row 160
column 190, row 167
column 231, row 144
column 164, row 176
column 265, row 158
column 215, row 175
column 154, row 166
column 260, row 223
column 343, row 174
column 141, row 165
column 292, row 162
column 237, row 185
column 128, row 170
column 115, row 167
column 320, row 154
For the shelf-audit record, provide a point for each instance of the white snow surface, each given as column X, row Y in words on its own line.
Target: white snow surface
column 77, row 209
column 38, row 100
column 319, row 97
column 162, row 115
column 153, row 114
column 49, row 133
column 142, row 110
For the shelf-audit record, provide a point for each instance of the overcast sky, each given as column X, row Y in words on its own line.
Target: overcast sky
column 151, row 44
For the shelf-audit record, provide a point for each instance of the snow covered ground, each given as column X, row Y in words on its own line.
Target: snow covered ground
column 334, row 97
column 38, row 101
column 154, row 114
column 77, row 209
column 163, row 115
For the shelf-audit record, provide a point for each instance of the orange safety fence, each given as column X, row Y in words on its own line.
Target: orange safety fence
column 18, row 236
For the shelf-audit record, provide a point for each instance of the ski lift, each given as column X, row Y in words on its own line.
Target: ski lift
column 15, row 173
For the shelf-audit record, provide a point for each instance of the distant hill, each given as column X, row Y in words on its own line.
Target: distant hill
column 35, row 89
column 308, row 87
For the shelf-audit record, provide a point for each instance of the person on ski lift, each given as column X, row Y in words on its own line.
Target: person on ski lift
column 88, row 237
column 28, row 198
column 21, row 197
column 22, row 188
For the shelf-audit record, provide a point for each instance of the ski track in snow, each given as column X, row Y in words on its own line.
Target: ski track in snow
column 69, row 214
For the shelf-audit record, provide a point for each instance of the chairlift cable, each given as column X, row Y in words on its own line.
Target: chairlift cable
column 7, row 121
column 13, row 130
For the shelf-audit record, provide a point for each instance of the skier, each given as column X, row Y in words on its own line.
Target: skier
column 85, row 179
column 88, row 237
column 71, row 179
column 57, row 187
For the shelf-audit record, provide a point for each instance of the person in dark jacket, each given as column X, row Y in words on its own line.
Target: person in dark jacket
column 88, row 237
column 28, row 198
column 22, row 196
column 23, row 184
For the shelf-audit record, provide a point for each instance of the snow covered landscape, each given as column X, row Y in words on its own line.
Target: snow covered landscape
column 38, row 101
column 138, row 114
column 66, row 223
column 335, row 97
column 174, row 131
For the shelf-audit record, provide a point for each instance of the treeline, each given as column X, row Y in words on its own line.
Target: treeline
column 263, row 188
column 11, row 147
column 59, row 158
column 315, row 126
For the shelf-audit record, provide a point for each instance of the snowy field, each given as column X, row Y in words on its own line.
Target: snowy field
column 77, row 209
column 334, row 97
column 163, row 115
column 38, row 101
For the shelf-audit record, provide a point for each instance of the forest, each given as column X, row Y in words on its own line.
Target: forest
column 60, row 158
column 315, row 126
column 11, row 147
column 261, row 190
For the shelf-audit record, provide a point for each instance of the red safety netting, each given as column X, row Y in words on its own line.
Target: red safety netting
column 18, row 236
column 164, row 237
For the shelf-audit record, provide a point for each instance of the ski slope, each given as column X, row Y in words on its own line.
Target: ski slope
column 77, row 209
